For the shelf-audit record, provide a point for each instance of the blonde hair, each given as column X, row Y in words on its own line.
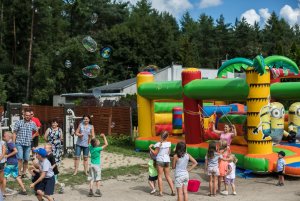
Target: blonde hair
column 233, row 158
column 9, row 133
column 223, row 145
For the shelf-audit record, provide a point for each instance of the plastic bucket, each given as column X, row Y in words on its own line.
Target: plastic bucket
column 193, row 185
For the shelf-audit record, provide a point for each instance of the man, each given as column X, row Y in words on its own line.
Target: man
column 22, row 136
column 35, row 135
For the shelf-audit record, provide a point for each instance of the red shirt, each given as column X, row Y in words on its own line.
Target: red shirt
column 37, row 123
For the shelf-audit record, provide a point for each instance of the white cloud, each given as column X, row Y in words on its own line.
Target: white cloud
column 292, row 16
column 209, row 3
column 175, row 7
column 251, row 16
column 264, row 13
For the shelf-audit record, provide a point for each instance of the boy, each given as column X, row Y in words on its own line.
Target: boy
column 11, row 168
column 44, row 185
column 95, row 167
column 280, row 168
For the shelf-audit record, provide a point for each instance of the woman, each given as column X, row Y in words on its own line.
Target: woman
column 85, row 133
column 162, row 152
column 54, row 136
column 228, row 134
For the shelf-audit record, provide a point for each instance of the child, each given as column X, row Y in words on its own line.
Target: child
column 11, row 168
column 152, row 172
column 280, row 168
column 2, row 164
column 212, row 167
column 51, row 158
column 230, row 176
column 95, row 167
column 180, row 163
column 44, row 185
column 224, row 152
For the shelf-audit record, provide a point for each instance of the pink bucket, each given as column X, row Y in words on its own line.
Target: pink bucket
column 193, row 185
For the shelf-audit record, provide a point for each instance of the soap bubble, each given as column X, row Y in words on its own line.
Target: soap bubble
column 91, row 71
column 68, row 64
column 105, row 52
column 112, row 125
column 89, row 44
column 94, row 18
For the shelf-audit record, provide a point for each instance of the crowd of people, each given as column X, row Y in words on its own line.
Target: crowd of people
column 18, row 145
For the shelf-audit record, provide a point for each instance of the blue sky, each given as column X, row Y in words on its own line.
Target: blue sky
column 252, row 10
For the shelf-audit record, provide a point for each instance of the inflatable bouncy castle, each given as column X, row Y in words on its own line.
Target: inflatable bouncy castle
column 261, row 124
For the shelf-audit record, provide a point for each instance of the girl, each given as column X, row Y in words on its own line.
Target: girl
column 211, row 167
column 224, row 152
column 180, row 163
column 230, row 176
column 162, row 151
column 228, row 134
column 85, row 133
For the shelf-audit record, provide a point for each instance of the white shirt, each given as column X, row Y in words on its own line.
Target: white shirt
column 163, row 154
column 231, row 175
column 2, row 143
column 46, row 167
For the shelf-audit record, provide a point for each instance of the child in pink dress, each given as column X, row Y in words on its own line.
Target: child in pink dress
column 223, row 164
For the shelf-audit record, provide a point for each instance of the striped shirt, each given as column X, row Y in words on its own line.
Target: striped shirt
column 23, row 130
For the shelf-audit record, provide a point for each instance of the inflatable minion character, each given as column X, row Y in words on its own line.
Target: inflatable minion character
column 277, row 122
column 294, row 122
column 264, row 124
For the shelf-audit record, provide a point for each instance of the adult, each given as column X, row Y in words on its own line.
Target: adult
column 35, row 134
column 85, row 133
column 22, row 136
column 54, row 136
column 228, row 134
column 162, row 152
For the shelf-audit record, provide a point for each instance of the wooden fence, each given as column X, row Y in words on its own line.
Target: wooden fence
column 109, row 120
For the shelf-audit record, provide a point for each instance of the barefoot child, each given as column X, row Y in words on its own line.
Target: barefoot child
column 230, row 175
column 46, row 182
column 180, row 163
column 153, row 175
column 280, row 168
column 95, row 167
column 212, row 167
column 11, row 168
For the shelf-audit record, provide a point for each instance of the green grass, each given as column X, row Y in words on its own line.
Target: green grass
column 126, row 151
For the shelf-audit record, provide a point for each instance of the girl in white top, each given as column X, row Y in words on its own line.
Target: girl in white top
column 180, row 162
column 162, row 151
column 229, row 180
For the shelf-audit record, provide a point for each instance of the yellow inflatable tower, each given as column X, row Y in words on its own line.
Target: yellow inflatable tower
column 144, row 107
column 258, row 115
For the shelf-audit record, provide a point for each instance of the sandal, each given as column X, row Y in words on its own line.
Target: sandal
column 173, row 194
column 159, row 194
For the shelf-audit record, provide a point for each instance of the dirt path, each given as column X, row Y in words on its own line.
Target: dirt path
column 131, row 188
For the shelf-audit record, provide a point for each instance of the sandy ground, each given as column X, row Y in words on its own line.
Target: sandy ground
column 131, row 188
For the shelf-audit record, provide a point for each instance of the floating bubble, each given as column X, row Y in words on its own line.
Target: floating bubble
column 94, row 18
column 68, row 64
column 105, row 52
column 89, row 44
column 112, row 125
column 91, row 71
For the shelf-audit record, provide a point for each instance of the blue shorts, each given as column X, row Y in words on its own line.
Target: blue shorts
column 78, row 150
column 47, row 185
column 23, row 152
column 11, row 170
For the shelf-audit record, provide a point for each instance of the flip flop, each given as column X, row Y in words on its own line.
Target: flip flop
column 159, row 194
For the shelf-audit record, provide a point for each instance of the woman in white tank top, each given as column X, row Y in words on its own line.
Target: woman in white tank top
column 162, row 152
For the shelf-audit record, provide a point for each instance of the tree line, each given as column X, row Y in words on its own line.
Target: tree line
column 37, row 37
